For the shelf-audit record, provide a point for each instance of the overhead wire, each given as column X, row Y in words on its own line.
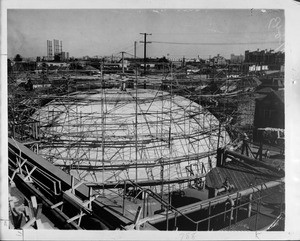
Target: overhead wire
column 212, row 32
column 220, row 43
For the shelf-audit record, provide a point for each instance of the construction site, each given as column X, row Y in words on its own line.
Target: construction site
column 146, row 149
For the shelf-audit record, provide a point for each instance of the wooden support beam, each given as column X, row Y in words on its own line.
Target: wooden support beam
column 73, row 186
column 80, row 215
column 88, row 203
column 28, row 176
column 29, row 223
column 57, row 205
column 19, row 169
column 34, row 214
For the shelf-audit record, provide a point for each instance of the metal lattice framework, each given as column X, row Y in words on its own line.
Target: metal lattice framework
column 109, row 135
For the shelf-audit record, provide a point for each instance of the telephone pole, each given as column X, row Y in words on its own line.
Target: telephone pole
column 145, row 44
column 122, row 62
column 135, row 49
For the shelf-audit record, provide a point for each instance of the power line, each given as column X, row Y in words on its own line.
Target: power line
column 221, row 43
column 129, row 54
column 128, row 47
column 268, row 31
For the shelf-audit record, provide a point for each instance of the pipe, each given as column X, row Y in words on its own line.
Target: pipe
column 214, row 201
column 223, row 189
column 124, row 193
column 250, row 206
column 231, row 202
column 145, row 183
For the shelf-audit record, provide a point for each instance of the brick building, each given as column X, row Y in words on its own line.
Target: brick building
column 274, row 60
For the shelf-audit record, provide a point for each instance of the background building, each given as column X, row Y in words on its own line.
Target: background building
column 274, row 60
column 236, row 59
column 269, row 113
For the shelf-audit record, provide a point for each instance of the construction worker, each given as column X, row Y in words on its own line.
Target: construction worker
column 245, row 139
column 29, row 85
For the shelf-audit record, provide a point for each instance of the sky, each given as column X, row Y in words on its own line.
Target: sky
column 180, row 33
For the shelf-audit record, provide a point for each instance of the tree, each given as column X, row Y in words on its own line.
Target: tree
column 163, row 60
column 57, row 58
column 18, row 57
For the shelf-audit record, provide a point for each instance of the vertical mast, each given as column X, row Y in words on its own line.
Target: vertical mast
column 136, row 120
column 102, row 126
column 145, row 49
column 122, row 62
column 170, row 144
column 161, row 137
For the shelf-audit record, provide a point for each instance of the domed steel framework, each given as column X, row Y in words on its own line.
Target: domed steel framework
column 109, row 135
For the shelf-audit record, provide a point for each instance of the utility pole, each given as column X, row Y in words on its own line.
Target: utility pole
column 122, row 62
column 145, row 44
column 135, row 49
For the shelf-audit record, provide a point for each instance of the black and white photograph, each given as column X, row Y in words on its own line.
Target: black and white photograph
column 147, row 121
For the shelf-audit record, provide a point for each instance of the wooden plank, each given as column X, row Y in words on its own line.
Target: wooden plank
column 75, row 217
column 29, row 223
column 57, row 205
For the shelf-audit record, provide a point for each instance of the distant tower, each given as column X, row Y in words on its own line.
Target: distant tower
column 49, row 50
column 56, row 46
column 60, row 46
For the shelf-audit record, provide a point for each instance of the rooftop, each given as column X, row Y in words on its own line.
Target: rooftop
column 239, row 175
